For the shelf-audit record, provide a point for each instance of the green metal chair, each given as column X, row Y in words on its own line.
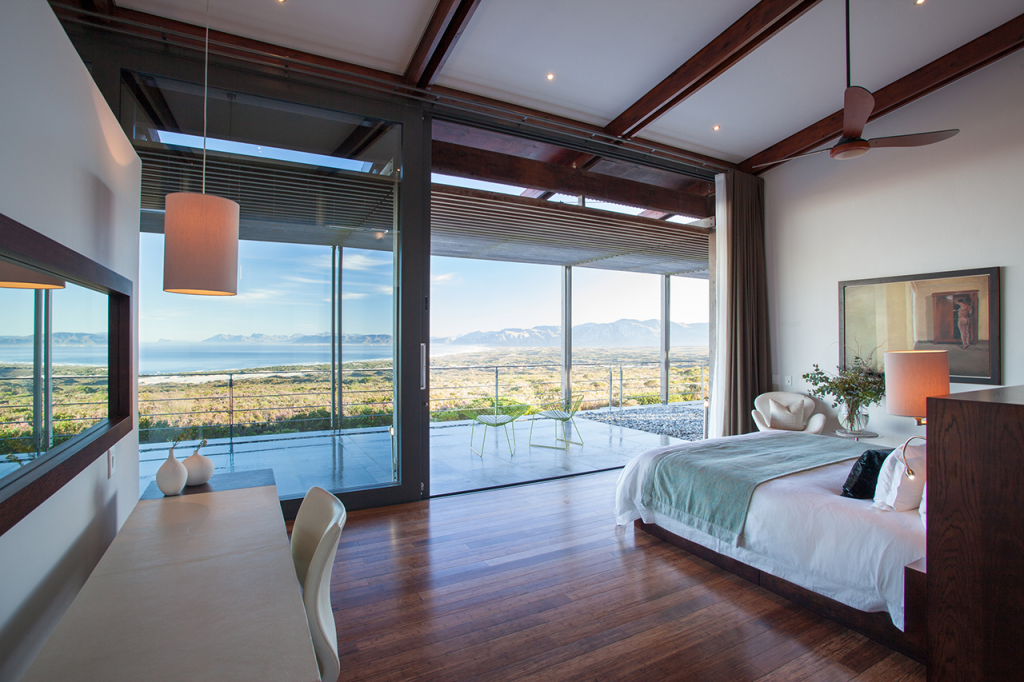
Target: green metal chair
column 503, row 416
column 563, row 412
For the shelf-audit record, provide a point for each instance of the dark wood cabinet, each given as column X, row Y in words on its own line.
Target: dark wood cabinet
column 975, row 580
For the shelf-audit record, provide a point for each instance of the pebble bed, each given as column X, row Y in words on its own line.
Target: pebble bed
column 680, row 420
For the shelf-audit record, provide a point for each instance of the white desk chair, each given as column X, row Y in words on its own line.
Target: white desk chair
column 315, row 536
column 808, row 423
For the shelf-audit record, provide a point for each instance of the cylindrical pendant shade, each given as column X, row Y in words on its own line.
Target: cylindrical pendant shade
column 911, row 377
column 200, row 244
column 17, row 277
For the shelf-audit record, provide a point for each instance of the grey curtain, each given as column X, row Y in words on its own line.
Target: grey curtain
column 745, row 350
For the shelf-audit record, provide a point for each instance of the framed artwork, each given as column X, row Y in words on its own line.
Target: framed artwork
column 953, row 311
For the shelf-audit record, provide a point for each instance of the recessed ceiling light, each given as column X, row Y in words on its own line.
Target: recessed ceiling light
column 717, row 128
column 919, row 2
column 551, row 76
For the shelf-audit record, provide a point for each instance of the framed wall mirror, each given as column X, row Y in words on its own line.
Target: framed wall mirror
column 65, row 366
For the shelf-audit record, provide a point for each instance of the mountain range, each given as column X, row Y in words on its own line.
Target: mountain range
column 322, row 337
column 59, row 339
column 630, row 333
column 623, row 332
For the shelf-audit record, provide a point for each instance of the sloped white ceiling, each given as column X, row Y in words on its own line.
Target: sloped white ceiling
column 381, row 34
column 605, row 54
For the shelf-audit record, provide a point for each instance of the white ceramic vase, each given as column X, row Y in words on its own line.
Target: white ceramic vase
column 199, row 467
column 171, row 475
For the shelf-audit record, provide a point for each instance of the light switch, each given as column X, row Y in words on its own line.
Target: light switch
column 787, row 381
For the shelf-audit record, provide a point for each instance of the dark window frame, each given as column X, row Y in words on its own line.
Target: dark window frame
column 22, row 494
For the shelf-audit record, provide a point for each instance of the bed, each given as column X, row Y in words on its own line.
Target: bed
column 798, row 531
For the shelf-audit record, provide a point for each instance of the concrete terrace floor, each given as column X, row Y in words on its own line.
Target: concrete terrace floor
column 361, row 458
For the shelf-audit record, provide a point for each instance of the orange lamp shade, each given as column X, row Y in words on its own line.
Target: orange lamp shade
column 200, row 244
column 17, row 277
column 911, row 377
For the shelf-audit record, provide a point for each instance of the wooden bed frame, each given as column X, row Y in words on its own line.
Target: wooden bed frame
column 877, row 626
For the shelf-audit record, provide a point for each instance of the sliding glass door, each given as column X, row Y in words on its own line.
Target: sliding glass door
column 314, row 368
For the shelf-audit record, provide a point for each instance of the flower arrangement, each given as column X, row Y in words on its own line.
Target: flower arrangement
column 856, row 387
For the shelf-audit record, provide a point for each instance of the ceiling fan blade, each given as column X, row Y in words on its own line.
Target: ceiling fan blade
column 913, row 140
column 790, row 158
column 858, row 104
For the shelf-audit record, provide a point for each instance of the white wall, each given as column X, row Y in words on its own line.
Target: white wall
column 67, row 171
column 958, row 204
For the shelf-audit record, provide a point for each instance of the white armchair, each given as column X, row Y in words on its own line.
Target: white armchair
column 762, row 411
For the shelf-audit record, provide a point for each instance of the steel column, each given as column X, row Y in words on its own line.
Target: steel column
column 48, row 369
column 566, row 333
column 666, row 286
column 37, row 374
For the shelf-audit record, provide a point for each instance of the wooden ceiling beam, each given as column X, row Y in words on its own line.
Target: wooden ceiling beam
column 763, row 21
column 962, row 61
column 102, row 6
column 431, row 38
column 160, row 30
column 749, row 32
column 152, row 101
column 543, row 119
column 361, row 139
column 444, row 29
column 480, row 164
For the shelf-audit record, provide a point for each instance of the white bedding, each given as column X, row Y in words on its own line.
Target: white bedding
column 799, row 528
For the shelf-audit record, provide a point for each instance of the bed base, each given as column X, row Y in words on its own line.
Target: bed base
column 876, row 626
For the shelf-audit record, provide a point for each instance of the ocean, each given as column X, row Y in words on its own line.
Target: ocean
column 167, row 358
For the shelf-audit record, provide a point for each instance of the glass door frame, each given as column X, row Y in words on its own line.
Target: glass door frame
column 412, row 327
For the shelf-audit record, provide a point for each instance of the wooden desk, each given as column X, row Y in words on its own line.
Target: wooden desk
column 197, row 587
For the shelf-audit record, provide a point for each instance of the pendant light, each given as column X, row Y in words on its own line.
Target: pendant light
column 201, row 230
column 17, row 277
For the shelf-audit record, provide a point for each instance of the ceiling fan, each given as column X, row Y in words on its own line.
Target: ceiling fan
column 858, row 103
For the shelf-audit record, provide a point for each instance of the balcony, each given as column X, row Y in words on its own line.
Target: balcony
column 286, row 420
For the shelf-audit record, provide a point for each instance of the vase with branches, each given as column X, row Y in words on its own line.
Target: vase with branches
column 855, row 388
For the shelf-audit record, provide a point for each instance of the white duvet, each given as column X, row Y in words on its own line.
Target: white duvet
column 799, row 528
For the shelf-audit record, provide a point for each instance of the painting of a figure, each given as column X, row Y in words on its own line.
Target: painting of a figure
column 953, row 311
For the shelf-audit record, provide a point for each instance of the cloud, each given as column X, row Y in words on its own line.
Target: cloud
column 350, row 295
column 446, row 277
column 305, row 280
column 359, row 261
column 258, row 295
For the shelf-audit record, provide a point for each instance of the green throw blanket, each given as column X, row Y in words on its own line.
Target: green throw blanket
column 709, row 487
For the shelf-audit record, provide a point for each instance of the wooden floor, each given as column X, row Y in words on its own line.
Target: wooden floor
column 537, row 583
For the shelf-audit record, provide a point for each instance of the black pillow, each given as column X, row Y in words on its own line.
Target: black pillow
column 860, row 484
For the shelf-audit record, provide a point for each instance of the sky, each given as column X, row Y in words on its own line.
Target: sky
column 75, row 309
column 286, row 288
column 282, row 289
column 475, row 295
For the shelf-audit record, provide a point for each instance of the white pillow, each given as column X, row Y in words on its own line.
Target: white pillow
column 785, row 417
column 895, row 490
column 923, row 509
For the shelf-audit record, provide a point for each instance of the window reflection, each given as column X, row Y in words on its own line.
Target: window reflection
column 53, row 369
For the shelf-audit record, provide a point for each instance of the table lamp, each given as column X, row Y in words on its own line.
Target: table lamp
column 911, row 377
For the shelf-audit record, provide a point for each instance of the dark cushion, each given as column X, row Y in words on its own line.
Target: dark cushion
column 860, row 484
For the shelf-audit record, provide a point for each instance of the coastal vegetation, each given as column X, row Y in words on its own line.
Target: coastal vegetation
column 295, row 398
column 79, row 401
